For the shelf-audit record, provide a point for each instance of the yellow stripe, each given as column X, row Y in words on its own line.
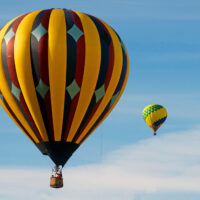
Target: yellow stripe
column 148, row 121
column 91, row 71
column 57, row 56
column 6, row 90
column 155, row 116
column 24, row 71
column 117, row 68
column 120, row 94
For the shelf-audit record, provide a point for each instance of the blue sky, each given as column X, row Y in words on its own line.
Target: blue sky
column 162, row 38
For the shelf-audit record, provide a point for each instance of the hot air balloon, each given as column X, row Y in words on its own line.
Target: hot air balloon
column 61, row 74
column 154, row 115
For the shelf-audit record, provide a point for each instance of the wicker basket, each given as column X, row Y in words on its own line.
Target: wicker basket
column 56, row 182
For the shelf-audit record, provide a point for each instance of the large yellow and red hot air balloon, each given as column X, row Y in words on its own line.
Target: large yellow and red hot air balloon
column 61, row 74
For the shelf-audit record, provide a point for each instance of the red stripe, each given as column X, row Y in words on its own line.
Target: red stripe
column 48, row 110
column 26, row 110
column 110, row 65
column 71, row 114
column 44, row 70
column 80, row 63
column 16, row 24
column 10, row 53
column 11, row 62
column 111, row 57
column 14, row 79
column 45, row 19
column 76, row 19
column 43, row 49
column 80, row 52
column 43, row 59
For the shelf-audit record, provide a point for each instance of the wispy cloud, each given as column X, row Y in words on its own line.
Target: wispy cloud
column 166, row 163
column 172, row 56
column 179, row 105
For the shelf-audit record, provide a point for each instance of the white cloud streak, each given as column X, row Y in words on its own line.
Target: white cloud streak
column 179, row 105
column 166, row 163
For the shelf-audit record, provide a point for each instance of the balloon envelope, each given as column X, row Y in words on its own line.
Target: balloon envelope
column 154, row 115
column 61, row 73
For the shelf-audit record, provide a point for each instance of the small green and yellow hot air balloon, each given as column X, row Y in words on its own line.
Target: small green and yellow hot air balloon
column 154, row 115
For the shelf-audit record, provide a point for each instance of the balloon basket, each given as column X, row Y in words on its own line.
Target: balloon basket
column 56, row 180
column 154, row 133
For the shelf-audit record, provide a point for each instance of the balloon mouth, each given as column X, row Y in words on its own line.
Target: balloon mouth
column 59, row 152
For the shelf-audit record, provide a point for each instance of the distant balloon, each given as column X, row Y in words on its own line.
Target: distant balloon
column 154, row 115
column 61, row 74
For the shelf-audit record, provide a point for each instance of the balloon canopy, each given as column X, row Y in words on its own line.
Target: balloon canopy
column 61, row 74
column 154, row 115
